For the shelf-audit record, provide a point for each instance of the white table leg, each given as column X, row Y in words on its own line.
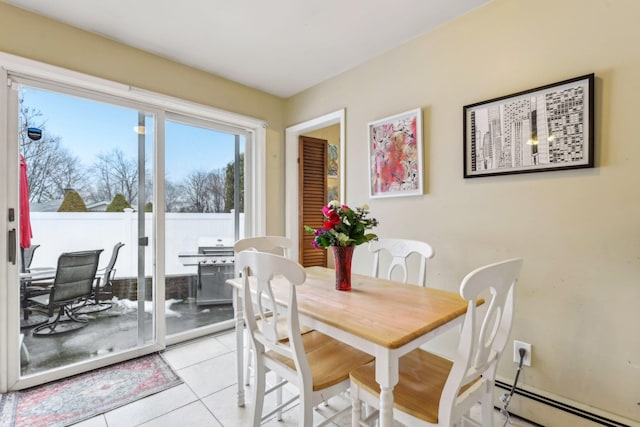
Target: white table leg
column 386, row 406
column 239, row 318
column 387, row 377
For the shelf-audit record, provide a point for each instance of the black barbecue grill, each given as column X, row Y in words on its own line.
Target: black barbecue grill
column 215, row 266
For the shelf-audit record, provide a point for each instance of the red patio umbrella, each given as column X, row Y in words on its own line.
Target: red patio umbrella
column 25, row 212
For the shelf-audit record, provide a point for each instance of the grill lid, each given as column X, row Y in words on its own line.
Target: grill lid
column 225, row 251
column 215, row 247
column 208, row 242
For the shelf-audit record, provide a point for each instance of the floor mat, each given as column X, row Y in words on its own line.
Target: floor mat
column 83, row 396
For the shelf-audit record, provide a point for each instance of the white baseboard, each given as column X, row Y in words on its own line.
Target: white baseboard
column 550, row 410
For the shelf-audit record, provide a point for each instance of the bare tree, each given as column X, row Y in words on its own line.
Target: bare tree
column 51, row 168
column 102, row 189
column 69, row 173
column 204, row 191
column 196, row 191
column 172, row 195
column 115, row 174
column 217, row 190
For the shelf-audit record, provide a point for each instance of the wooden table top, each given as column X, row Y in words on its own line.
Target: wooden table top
column 387, row 313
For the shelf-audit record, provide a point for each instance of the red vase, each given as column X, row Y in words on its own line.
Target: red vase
column 342, row 256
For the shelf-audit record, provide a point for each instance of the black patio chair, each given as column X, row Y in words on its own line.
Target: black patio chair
column 102, row 295
column 75, row 276
column 28, row 289
column 27, row 258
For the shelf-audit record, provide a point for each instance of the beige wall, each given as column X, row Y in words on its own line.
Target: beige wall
column 578, row 231
column 35, row 37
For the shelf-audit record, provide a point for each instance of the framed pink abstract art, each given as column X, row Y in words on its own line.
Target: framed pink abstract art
column 395, row 155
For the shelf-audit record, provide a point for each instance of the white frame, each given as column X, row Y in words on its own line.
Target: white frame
column 374, row 173
column 120, row 94
column 291, row 162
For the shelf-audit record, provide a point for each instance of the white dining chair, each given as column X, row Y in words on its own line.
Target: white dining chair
column 434, row 391
column 400, row 249
column 279, row 245
column 317, row 364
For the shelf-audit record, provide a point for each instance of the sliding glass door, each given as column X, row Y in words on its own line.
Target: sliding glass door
column 158, row 186
column 204, row 204
column 86, row 184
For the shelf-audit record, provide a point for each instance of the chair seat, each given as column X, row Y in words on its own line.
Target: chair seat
column 282, row 329
column 33, row 315
column 330, row 360
column 35, row 289
column 40, row 299
column 422, row 378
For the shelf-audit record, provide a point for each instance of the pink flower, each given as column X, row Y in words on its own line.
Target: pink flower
column 333, row 219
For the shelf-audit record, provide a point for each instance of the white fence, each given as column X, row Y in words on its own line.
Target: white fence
column 58, row 232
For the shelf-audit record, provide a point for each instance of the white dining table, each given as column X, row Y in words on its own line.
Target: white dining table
column 384, row 318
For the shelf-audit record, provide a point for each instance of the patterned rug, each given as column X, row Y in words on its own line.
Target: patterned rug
column 83, row 396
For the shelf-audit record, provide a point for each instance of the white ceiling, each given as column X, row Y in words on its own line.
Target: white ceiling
column 279, row 46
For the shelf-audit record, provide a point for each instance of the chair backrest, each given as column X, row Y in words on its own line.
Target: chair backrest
column 400, row 249
column 483, row 337
column 27, row 257
column 273, row 244
column 278, row 245
column 75, row 274
column 261, row 269
column 109, row 270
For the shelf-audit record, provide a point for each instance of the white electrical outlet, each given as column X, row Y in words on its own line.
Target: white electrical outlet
column 517, row 345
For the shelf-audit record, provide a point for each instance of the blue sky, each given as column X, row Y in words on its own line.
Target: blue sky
column 88, row 128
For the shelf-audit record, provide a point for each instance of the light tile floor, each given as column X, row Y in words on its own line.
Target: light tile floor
column 208, row 395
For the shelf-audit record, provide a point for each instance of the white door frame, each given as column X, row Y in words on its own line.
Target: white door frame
column 291, row 175
column 9, row 290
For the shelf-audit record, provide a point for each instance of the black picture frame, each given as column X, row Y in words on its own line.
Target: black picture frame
column 548, row 128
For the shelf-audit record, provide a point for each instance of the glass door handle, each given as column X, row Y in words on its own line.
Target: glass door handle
column 11, row 243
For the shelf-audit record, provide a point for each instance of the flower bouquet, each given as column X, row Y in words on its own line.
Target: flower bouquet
column 343, row 229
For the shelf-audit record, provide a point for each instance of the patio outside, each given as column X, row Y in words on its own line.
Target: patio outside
column 91, row 166
column 112, row 331
column 116, row 329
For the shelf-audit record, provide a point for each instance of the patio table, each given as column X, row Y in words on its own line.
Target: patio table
column 37, row 274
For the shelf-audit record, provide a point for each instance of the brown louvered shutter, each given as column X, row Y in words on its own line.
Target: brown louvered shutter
column 312, row 196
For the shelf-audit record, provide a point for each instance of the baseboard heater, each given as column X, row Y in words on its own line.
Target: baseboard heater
column 598, row 419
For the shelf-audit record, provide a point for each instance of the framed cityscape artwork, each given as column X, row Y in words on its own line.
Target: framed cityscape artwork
column 395, row 155
column 543, row 129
